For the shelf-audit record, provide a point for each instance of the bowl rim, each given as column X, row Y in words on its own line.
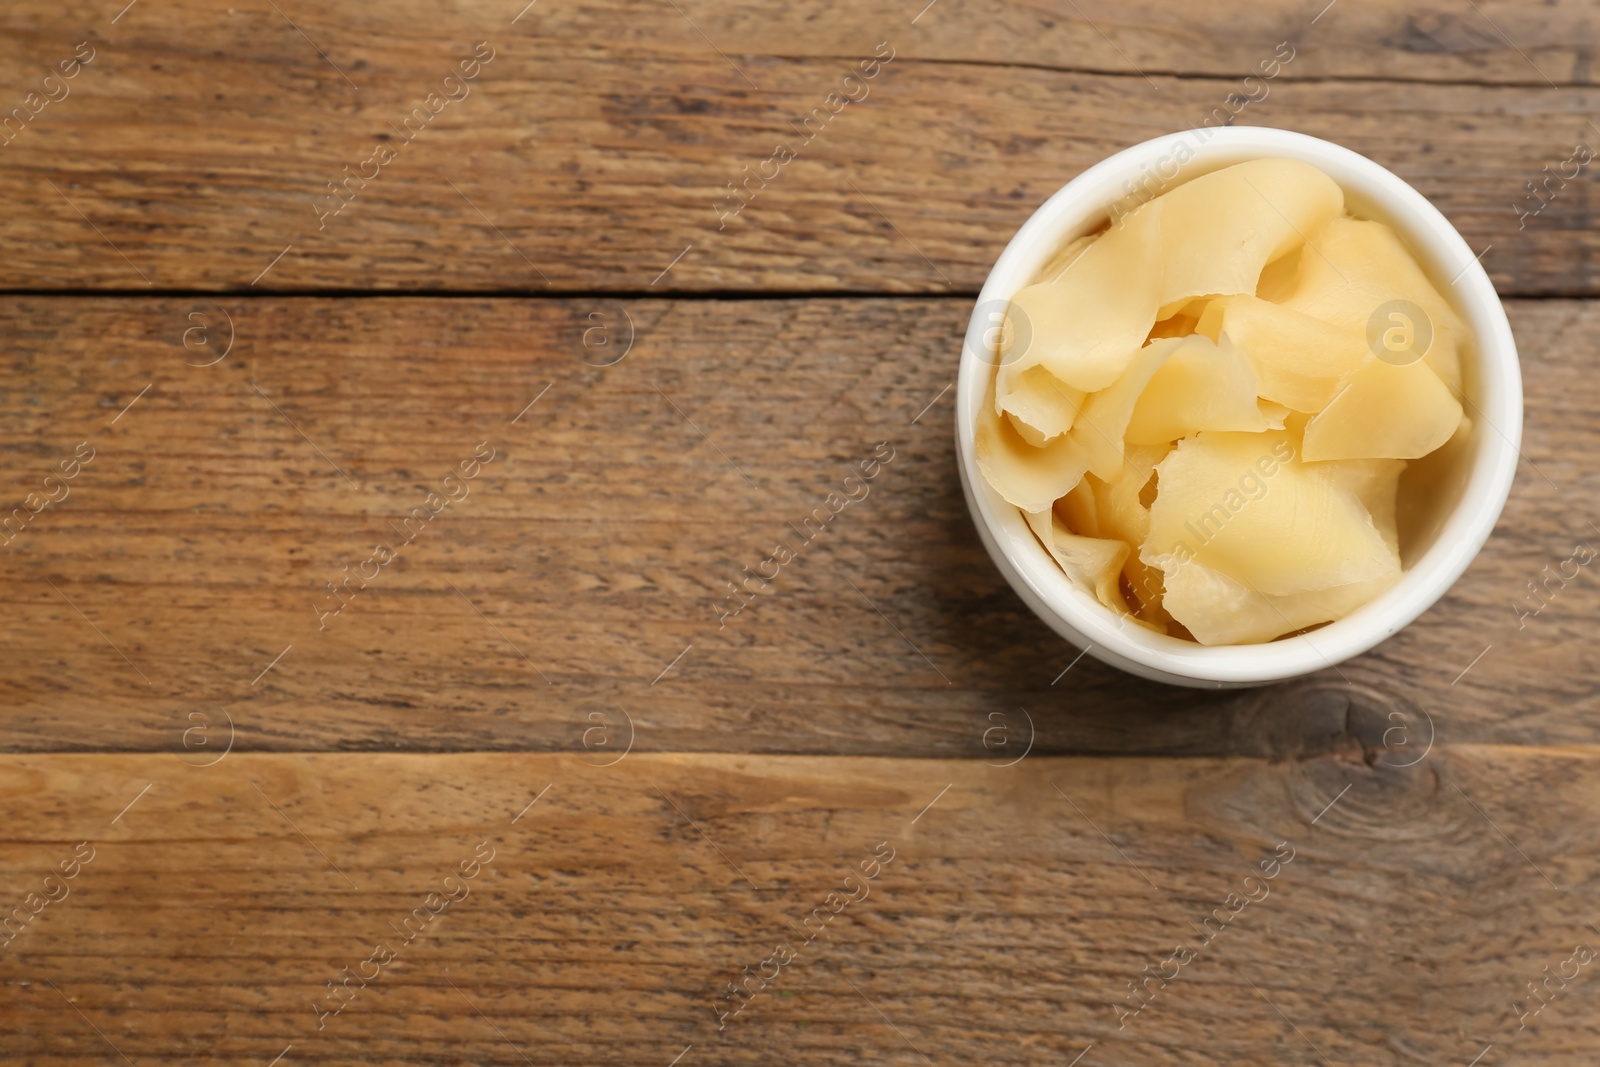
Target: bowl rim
column 1493, row 391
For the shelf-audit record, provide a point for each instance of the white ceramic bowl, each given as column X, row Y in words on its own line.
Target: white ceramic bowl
column 1466, row 497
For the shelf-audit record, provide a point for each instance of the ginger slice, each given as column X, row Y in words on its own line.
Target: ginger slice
column 1066, row 257
column 1120, row 512
column 1353, row 270
column 1042, row 406
column 1026, row 432
column 1276, row 414
column 1103, row 421
column 1278, row 277
column 1093, row 564
column 1384, row 412
column 1181, row 323
column 1080, row 510
column 1299, row 361
column 1245, row 506
column 1203, row 385
column 1221, row 229
column 1027, row 477
column 1217, row 610
column 1145, row 590
column 1086, row 324
column 1376, row 483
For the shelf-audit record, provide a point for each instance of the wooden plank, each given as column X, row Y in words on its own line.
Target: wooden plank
column 1492, row 42
column 578, row 589
column 584, row 157
column 610, row 917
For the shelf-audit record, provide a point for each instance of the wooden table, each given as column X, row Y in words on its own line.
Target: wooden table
column 525, row 790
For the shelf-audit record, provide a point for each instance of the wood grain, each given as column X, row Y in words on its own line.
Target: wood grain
column 1018, row 905
column 1492, row 43
column 572, row 601
column 599, row 144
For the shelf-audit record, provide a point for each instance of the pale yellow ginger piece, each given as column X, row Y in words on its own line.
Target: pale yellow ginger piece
column 1176, row 326
column 1299, row 361
column 1182, row 323
column 1066, row 257
column 1086, row 324
column 1432, row 490
column 1147, row 592
column 1103, row 421
column 1119, row 513
column 1093, row 564
column 1080, row 510
column 1041, row 406
column 1026, row 432
column 1218, row 610
column 1245, row 506
column 1352, row 270
column 1203, row 385
column 1384, row 412
column 1295, row 424
column 1278, row 277
column 1027, row 477
column 1219, row 230
column 1376, row 483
